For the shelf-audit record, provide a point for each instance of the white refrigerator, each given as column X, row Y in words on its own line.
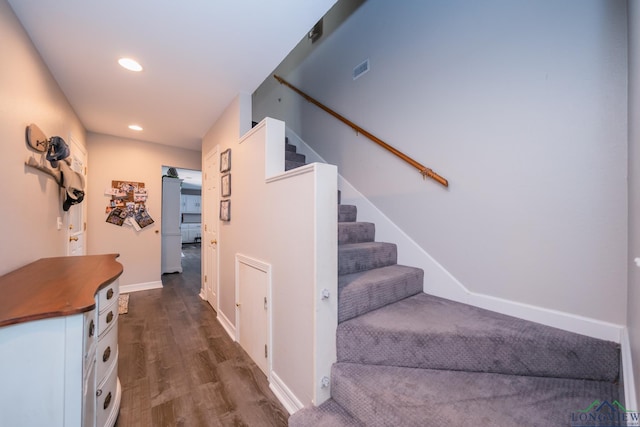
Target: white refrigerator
column 171, row 236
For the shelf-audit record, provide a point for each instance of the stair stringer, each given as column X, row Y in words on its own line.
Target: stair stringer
column 440, row 282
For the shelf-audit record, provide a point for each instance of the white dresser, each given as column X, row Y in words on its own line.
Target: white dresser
column 59, row 343
column 107, row 385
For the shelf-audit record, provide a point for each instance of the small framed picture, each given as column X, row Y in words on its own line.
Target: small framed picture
column 225, row 210
column 225, row 160
column 225, row 185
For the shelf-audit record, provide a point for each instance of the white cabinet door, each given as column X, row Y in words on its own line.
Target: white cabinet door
column 183, row 203
column 193, row 204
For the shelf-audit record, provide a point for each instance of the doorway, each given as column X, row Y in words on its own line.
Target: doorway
column 210, row 228
column 76, row 225
column 188, row 207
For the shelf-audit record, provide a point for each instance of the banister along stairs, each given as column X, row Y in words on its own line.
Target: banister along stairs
column 424, row 171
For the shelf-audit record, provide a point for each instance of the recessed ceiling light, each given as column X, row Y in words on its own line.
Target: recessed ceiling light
column 130, row 64
column 135, row 127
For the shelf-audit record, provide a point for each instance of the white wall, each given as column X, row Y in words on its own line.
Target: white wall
column 31, row 200
column 288, row 222
column 633, row 299
column 225, row 133
column 521, row 105
column 121, row 159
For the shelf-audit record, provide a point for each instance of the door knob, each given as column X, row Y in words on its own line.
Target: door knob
column 214, row 242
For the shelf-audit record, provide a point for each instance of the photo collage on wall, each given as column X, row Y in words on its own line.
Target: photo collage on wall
column 128, row 205
column 225, row 185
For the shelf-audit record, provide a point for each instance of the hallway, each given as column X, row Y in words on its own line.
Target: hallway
column 178, row 367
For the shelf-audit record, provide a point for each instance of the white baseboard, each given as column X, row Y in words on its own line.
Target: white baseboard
column 226, row 324
column 630, row 400
column 290, row 402
column 440, row 282
column 136, row 287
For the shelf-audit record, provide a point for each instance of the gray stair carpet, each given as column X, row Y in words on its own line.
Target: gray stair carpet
column 365, row 291
column 406, row 358
column 424, row 331
column 292, row 159
column 395, row 396
column 355, row 232
column 355, row 257
column 347, row 213
column 328, row 414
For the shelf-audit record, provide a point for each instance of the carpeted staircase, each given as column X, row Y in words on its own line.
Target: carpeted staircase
column 292, row 159
column 405, row 358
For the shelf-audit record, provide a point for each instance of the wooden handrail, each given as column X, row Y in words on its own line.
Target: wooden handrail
column 424, row 171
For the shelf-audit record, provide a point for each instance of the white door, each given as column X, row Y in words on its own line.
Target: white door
column 76, row 226
column 211, row 203
column 252, row 312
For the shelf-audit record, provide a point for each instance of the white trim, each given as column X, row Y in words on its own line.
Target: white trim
column 266, row 269
column 325, row 310
column 136, row 287
column 211, row 156
column 291, row 173
column 440, row 282
column 566, row 321
column 253, row 130
column 627, row 372
column 284, row 394
column 226, row 324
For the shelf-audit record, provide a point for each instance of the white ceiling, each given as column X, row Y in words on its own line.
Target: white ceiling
column 197, row 56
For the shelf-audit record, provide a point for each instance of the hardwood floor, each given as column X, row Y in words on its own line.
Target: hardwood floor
column 178, row 367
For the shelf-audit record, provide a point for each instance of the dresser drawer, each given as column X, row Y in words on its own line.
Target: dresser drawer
column 106, row 319
column 106, row 352
column 107, row 396
column 108, row 295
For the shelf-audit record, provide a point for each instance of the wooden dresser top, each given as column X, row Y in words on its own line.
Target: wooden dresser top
column 55, row 287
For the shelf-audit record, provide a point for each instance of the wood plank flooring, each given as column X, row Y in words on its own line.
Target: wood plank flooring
column 178, row 367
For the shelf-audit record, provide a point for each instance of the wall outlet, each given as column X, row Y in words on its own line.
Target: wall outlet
column 59, row 223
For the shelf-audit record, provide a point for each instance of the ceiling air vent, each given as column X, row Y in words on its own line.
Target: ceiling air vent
column 316, row 32
column 360, row 69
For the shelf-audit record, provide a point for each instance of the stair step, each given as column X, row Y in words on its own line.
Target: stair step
column 360, row 293
column 424, row 331
column 329, row 414
column 395, row 396
column 356, row 232
column 290, row 147
column 295, row 157
column 347, row 213
column 355, row 257
column 288, row 165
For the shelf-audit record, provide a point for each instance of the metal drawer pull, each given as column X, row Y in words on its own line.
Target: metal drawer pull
column 110, row 293
column 107, row 354
column 110, row 317
column 107, row 401
column 92, row 328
